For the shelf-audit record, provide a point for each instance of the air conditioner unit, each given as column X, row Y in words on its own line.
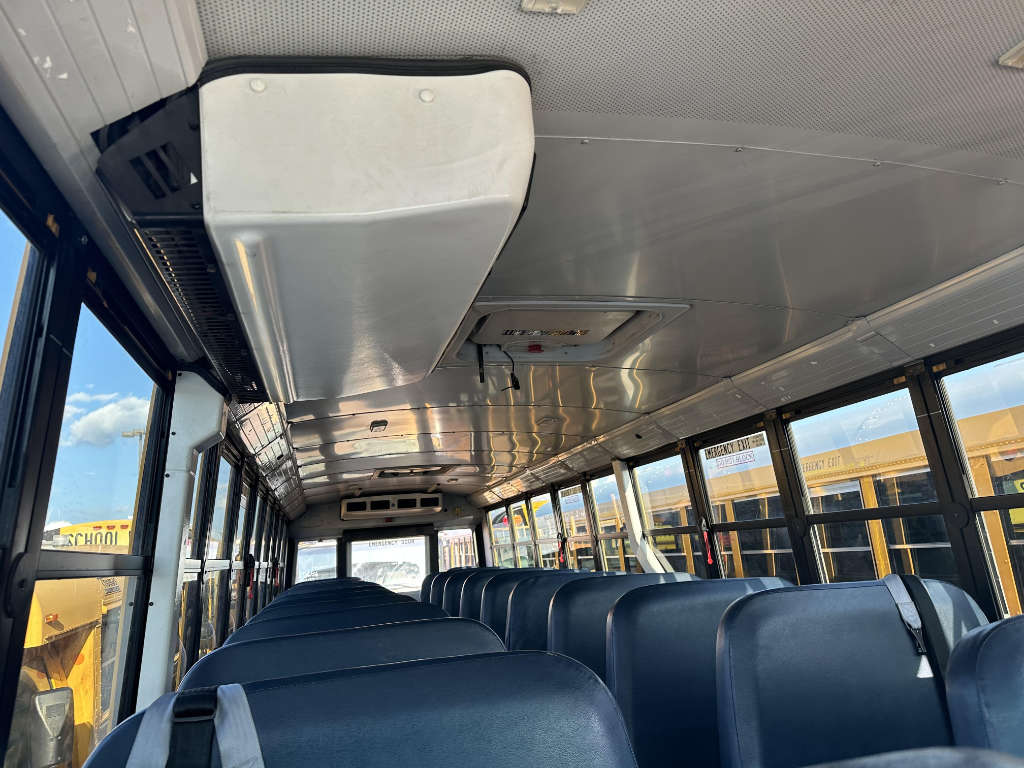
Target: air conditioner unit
column 391, row 505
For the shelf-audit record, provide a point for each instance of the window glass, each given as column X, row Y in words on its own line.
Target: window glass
column 243, row 510
column 218, row 517
column 398, row 564
column 521, row 521
column 69, row 686
column 608, row 508
column 741, row 479
column 257, row 531
column 102, row 443
column 548, row 553
column 526, row 557
column 1004, row 541
column 574, row 512
column 315, row 560
column 17, row 254
column 581, row 555
column 544, row 516
column 664, row 497
column 504, row 557
column 456, row 548
column 865, row 455
column 618, row 556
column 988, row 406
column 682, row 550
column 211, row 606
column 499, row 527
column 761, row 552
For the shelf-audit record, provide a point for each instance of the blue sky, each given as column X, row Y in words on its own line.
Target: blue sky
column 97, row 469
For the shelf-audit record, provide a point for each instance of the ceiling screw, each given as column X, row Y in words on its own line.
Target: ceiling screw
column 738, row 149
column 257, row 86
column 877, row 163
column 426, row 96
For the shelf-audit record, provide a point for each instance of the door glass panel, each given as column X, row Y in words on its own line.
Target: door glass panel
column 544, row 516
column 618, row 556
column 760, row 552
column 608, row 508
column 398, row 564
column 664, row 497
column 865, row 455
column 102, row 444
column 574, row 512
column 456, row 548
column 499, row 527
column 69, row 686
column 315, row 560
column 741, row 480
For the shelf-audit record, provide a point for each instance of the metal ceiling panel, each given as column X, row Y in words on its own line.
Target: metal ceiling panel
column 922, row 72
column 716, row 406
column 841, row 236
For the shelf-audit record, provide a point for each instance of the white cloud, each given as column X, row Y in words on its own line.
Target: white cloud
column 105, row 425
column 86, row 397
column 71, row 411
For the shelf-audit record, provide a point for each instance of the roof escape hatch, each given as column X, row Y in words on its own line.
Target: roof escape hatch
column 558, row 331
column 357, row 215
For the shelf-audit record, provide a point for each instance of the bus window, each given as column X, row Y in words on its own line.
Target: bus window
column 742, row 489
column 398, row 564
column 102, row 445
column 71, row 670
column 668, row 514
column 456, row 548
column 237, row 588
column 215, row 549
column 580, row 545
column 501, row 538
column 611, row 526
column 547, row 530
column 987, row 404
column 862, row 456
column 522, row 528
column 315, row 560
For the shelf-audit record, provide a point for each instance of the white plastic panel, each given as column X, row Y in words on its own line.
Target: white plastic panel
column 353, row 264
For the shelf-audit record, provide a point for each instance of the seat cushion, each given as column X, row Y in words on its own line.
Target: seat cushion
column 291, row 655
column 985, row 687
column 661, row 665
column 498, row 710
column 578, row 618
column 353, row 617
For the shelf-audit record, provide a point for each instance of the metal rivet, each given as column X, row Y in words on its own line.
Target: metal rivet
column 738, row 149
column 584, row 141
column 1002, row 181
column 877, row 163
column 258, row 86
column 426, row 95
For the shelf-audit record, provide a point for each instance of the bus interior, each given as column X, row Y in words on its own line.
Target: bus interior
column 511, row 382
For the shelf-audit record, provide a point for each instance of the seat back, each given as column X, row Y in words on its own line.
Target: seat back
column 661, row 665
column 343, row 619
column 841, row 657
column 437, row 587
column 334, row 594
column 495, row 595
column 452, row 595
column 473, row 589
column 527, row 608
column 293, row 655
column 985, row 687
column 323, row 606
column 425, row 587
column 578, row 617
column 936, row 757
column 549, row 712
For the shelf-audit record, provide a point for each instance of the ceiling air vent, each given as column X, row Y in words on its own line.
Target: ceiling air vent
column 393, row 505
column 560, row 331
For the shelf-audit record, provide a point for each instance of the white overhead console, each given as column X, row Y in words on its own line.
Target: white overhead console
column 357, row 215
